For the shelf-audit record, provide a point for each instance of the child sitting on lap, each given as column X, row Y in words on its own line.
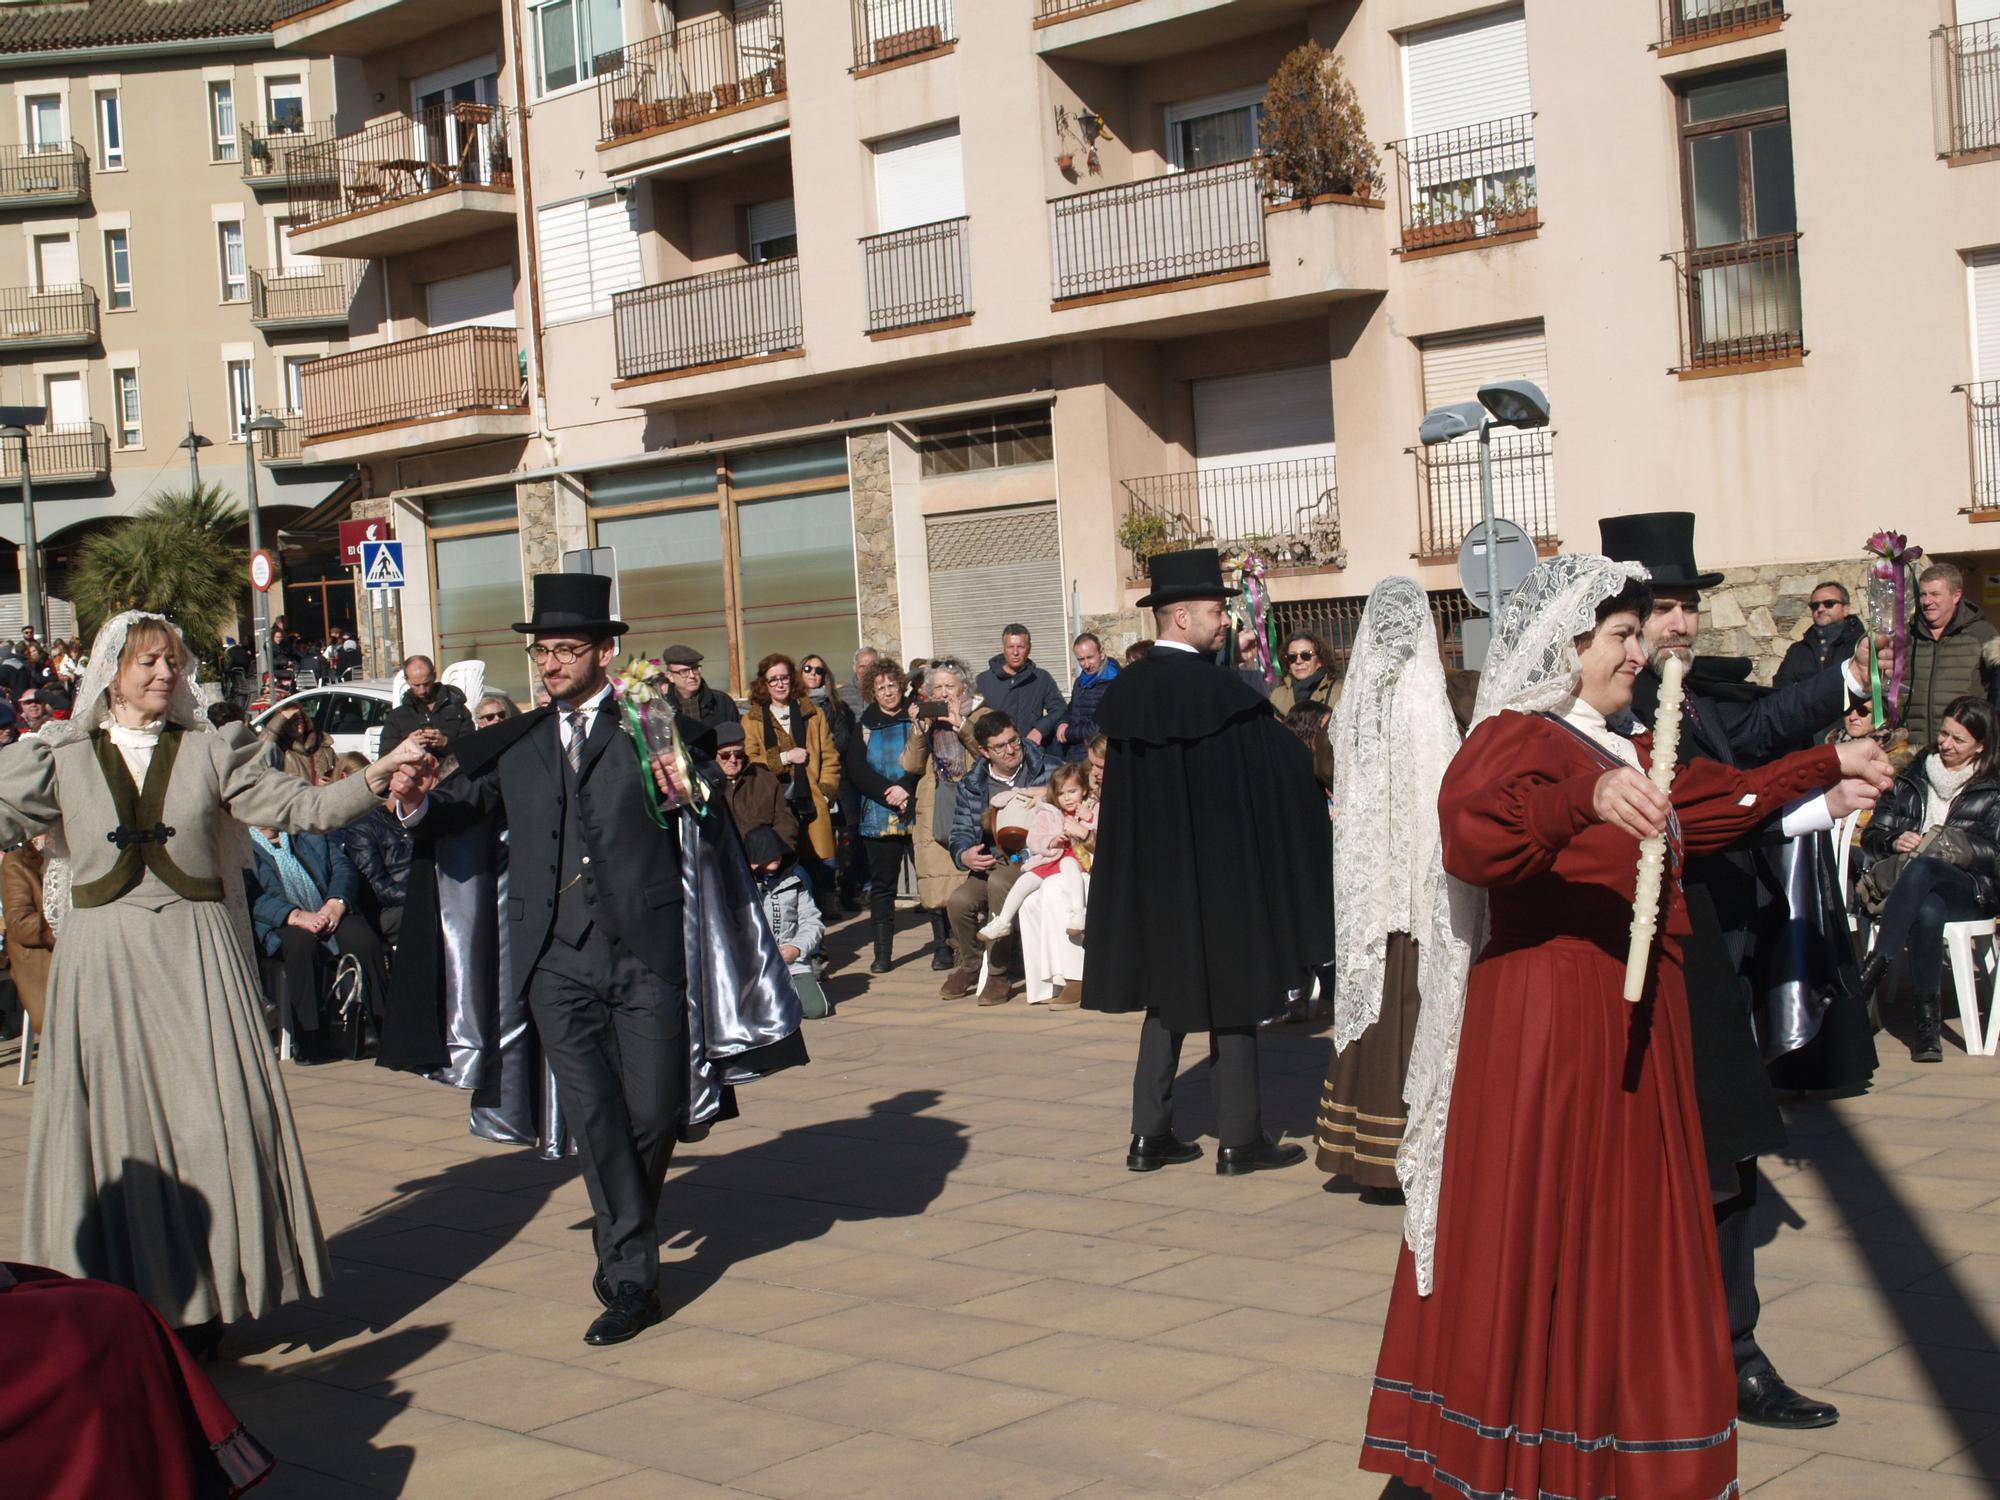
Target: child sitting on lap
column 1061, row 825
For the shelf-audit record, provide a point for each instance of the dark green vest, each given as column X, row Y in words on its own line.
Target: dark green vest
column 141, row 834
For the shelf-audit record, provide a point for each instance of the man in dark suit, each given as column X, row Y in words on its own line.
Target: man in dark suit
column 594, row 922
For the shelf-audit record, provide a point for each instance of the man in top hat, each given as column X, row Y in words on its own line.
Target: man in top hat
column 1739, row 1110
column 594, row 925
column 1212, row 886
column 694, row 697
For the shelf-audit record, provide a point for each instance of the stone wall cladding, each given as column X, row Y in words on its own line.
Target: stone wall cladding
column 874, row 499
column 541, row 547
column 1758, row 612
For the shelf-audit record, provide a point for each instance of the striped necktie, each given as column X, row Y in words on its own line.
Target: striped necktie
column 574, row 749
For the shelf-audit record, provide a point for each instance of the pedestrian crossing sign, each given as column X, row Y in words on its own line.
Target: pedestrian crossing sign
column 382, row 565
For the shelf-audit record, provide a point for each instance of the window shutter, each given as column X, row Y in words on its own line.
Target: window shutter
column 1467, row 72
column 1970, row 11
column 775, row 220
column 1262, row 418
column 564, row 231
column 919, row 179
column 482, row 299
column 1455, row 368
column 990, row 569
column 614, row 250
column 1986, row 317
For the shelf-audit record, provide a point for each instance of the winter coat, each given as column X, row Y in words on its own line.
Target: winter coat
column 1818, row 649
column 937, row 875
column 447, row 712
column 324, row 860
column 380, row 848
column 1029, row 697
column 30, row 942
column 794, row 916
column 1081, row 715
column 709, row 707
column 976, row 791
column 877, row 768
column 1285, row 696
column 756, row 800
column 310, row 757
column 1943, row 669
column 764, row 737
column 1975, row 812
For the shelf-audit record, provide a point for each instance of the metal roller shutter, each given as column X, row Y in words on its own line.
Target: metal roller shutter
column 990, row 569
column 481, row 299
column 1970, row 11
column 1986, row 317
column 1260, row 418
column 919, row 179
column 590, row 249
column 1455, row 367
column 1467, row 72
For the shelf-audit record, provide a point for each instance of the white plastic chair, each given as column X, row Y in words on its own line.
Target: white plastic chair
column 1959, row 938
column 27, row 1052
column 1843, row 857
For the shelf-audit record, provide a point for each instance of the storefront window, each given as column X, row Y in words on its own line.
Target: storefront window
column 476, row 584
column 670, row 583
column 798, row 577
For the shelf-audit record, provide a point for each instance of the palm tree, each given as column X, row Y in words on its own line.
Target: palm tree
column 177, row 557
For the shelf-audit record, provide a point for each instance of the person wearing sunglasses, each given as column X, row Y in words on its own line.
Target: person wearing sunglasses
column 1303, row 675
column 1832, row 632
column 493, row 707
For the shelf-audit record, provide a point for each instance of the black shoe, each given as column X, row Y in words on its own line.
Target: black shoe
column 1149, row 1153
column 1766, row 1401
column 1928, row 1045
column 1870, row 977
column 1265, row 1156
column 629, row 1313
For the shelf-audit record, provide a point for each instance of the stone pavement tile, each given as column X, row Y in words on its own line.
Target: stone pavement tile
column 701, row 1437
column 541, row 1329
column 365, row 1440
column 907, row 1278
column 912, row 1235
column 1893, row 1104
column 714, row 1363
column 469, row 1458
column 1279, row 1286
column 1892, row 1318
column 480, row 1209
column 791, row 1262
column 422, row 1248
column 1927, row 1373
column 908, row 1335
column 1162, row 1450
column 1087, row 1214
column 1077, row 1257
column 1830, row 1477
column 546, row 1275
column 880, row 1467
column 1961, row 1162
column 740, row 1305
column 1332, row 1345
column 1037, row 1174
column 1372, row 1250
column 1305, row 1403
column 1758, row 1462
column 1911, row 1434
column 1813, row 1358
column 1845, row 1258
column 928, row 1405
column 1942, row 1231
column 1976, row 1276
column 1329, row 1471
column 316, row 1120
column 650, row 1484
column 416, row 1129
column 1261, row 1236
column 1076, row 1307
column 293, row 1482
column 348, row 1356
column 1075, row 1364
column 1110, row 1489
column 512, row 1391
column 386, row 1297
column 1197, row 1186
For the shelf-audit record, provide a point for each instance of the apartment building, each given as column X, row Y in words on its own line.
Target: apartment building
column 841, row 320
column 147, row 284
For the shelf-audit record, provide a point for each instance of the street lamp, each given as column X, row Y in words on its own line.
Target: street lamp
column 260, row 601
column 14, row 423
column 194, row 443
column 1504, row 403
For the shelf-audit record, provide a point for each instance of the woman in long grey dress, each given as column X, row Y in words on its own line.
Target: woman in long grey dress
column 162, row 1154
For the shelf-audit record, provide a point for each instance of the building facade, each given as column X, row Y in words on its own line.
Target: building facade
column 898, row 320
column 148, row 287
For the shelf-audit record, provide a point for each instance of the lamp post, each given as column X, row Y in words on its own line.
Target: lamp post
column 260, row 601
column 14, row 423
column 194, row 442
column 1504, row 403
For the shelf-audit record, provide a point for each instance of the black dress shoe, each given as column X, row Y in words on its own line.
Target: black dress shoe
column 1766, row 1401
column 629, row 1313
column 1264, row 1156
column 1149, row 1153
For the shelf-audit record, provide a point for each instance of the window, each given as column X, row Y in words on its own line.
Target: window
column 222, row 122
column 292, row 374
column 590, row 249
column 772, row 230
column 571, row 36
column 118, row 269
column 919, row 179
column 284, row 105
column 990, row 440
column 55, row 263
column 285, row 261
column 110, row 132
column 229, row 245
column 1221, row 128
column 45, row 123
column 237, row 373
column 125, row 390
column 476, row 584
column 67, row 401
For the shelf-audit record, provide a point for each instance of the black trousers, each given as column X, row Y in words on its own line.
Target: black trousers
column 885, row 872
column 1232, row 1072
column 1928, row 894
column 308, row 967
column 1736, row 1240
column 615, row 1035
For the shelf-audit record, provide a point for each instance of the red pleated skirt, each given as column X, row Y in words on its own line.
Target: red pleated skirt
column 1575, row 1341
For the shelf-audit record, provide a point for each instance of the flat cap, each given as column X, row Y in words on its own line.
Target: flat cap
column 680, row 656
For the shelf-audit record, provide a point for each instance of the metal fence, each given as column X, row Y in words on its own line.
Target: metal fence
column 887, row 31
column 1335, row 623
column 47, row 174
column 283, row 445
column 1685, row 21
column 436, row 375
column 1982, row 412
column 714, row 63
column 1739, row 304
column 48, row 315
column 1051, row 10
column 740, row 313
column 273, row 155
column 63, row 450
column 918, row 275
column 1289, row 509
column 1468, row 184
column 1965, row 67
column 1448, row 499
column 318, row 296
column 1171, row 228
column 402, row 157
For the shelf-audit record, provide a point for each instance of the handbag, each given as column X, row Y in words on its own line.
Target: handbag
column 347, row 1009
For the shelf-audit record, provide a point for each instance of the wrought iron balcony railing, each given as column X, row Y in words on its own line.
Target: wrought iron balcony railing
column 746, row 312
column 317, row 296
column 1289, row 510
column 283, row 446
column 53, row 173
column 1739, row 304
column 714, row 63
column 271, row 156
column 1982, row 412
column 919, row 275
column 888, row 31
column 60, row 450
column 1179, row 227
column 1469, row 184
column 1686, row 23
column 400, row 158
column 1965, row 93
column 1448, row 498
column 37, row 316
column 429, row 378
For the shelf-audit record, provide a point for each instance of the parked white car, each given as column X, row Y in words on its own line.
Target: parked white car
column 351, row 712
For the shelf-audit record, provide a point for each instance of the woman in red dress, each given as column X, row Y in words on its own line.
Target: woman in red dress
column 1557, row 1324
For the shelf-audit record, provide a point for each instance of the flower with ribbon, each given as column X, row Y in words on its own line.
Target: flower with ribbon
column 1248, row 569
column 646, row 713
column 1890, row 572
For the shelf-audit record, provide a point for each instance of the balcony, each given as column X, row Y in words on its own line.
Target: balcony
column 44, row 176
column 890, row 33
column 741, row 316
column 918, row 278
column 51, row 318
column 1448, row 502
column 440, row 390
column 1121, row 32
column 1688, row 24
column 62, row 453
column 407, row 182
column 1185, row 226
column 314, row 299
column 357, row 28
column 707, row 81
column 1965, row 64
column 1982, row 415
column 1470, row 187
column 268, row 156
column 1290, row 510
column 1739, row 307
column 284, row 448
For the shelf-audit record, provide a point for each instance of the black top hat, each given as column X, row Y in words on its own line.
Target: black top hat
column 579, row 602
column 1661, row 539
column 1181, row 576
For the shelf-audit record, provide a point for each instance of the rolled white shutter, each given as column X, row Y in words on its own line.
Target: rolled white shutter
column 481, row 299
column 1971, row 11
column 1986, row 317
column 991, row 569
column 919, row 179
column 615, row 265
column 1455, row 368
column 564, row 230
column 1262, row 418
column 1467, row 72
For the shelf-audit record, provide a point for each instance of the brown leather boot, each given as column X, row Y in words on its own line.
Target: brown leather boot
column 958, row 984
column 1070, row 998
column 996, row 990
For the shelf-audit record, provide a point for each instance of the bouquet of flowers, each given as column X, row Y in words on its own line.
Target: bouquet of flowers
column 646, row 712
column 1252, row 612
column 1893, row 564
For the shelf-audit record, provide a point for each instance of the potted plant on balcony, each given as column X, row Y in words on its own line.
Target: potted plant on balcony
column 728, row 95
column 1515, row 210
column 1439, row 218
column 1315, row 138
column 1145, row 534
column 260, row 156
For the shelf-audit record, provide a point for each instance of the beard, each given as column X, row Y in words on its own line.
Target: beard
column 1658, row 651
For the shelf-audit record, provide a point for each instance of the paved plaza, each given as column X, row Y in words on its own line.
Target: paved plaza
column 919, row 1268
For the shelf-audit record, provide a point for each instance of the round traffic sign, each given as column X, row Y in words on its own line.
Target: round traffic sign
column 1514, row 558
column 263, row 570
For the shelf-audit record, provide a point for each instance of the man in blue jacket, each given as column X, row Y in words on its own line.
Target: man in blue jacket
column 1005, row 760
column 1013, row 685
column 1094, row 673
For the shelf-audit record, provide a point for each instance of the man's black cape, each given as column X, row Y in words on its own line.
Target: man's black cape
column 1211, row 893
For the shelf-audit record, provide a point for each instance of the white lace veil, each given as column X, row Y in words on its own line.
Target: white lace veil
column 1531, row 667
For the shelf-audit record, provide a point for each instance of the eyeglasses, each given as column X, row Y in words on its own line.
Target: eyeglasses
column 1301, row 656
column 1826, row 603
column 539, row 653
column 778, row 677
column 1013, row 744
column 812, row 671
column 492, row 718
column 730, row 755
